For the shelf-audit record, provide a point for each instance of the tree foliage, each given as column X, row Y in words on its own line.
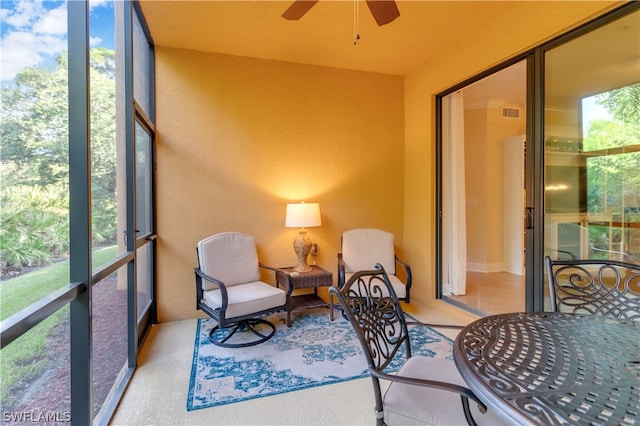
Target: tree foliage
column 34, row 154
column 34, row 127
column 623, row 104
column 613, row 177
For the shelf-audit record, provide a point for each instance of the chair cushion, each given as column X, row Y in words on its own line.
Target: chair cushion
column 413, row 405
column 398, row 286
column 246, row 298
column 230, row 257
column 362, row 248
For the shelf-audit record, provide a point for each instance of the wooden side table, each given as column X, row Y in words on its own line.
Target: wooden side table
column 315, row 278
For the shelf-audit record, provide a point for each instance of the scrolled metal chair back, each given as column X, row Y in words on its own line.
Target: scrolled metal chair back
column 372, row 307
column 595, row 287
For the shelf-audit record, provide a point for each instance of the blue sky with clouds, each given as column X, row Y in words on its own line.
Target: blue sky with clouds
column 33, row 31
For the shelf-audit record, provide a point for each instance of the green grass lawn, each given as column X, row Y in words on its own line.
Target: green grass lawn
column 24, row 359
column 19, row 292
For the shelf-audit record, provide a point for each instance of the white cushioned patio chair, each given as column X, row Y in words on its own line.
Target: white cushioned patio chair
column 363, row 248
column 229, row 289
column 424, row 390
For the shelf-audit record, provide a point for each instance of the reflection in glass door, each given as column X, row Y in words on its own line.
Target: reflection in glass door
column 592, row 145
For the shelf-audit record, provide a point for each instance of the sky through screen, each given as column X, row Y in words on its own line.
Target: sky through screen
column 35, row 32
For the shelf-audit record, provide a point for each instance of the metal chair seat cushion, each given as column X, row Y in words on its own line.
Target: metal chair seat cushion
column 407, row 404
column 245, row 299
column 398, row 286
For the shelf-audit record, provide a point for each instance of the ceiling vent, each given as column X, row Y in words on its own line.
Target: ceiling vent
column 508, row 112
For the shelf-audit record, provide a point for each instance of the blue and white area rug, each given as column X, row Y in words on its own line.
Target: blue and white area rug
column 315, row 351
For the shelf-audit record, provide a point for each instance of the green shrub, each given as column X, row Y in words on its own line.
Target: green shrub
column 35, row 225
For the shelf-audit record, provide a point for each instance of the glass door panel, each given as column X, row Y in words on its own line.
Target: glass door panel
column 144, row 221
column 144, row 188
column 483, row 193
column 144, row 279
column 592, row 145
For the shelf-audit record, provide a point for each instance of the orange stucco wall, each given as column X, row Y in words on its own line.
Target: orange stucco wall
column 239, row 138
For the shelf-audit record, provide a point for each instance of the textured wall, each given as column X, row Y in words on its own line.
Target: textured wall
column 238, row 138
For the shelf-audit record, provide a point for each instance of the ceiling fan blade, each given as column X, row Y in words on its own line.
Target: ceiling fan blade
column 383, row 11
column 298, row 8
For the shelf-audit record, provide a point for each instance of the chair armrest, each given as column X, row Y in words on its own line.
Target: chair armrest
column 286, row 284
column 341, row 271
column 626, row 256
column 200, row 276
column 568, row 253
column 445, row 386
column 271, row 268
column 407, row 271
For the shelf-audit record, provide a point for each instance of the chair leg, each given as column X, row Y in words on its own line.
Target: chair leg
column 467, row 411
column 331, row 313
column 239, row 330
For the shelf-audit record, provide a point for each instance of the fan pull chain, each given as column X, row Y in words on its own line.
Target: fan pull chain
column 356, row 23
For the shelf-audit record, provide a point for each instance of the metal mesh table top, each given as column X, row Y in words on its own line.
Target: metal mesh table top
column 554, row 368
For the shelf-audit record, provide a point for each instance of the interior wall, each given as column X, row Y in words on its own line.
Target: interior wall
column 485, row 131
column 498, row 41
column 475, row 146
column 239, row 138
column 498, row 129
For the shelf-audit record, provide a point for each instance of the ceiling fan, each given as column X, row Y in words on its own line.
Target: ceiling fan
column 383, row 11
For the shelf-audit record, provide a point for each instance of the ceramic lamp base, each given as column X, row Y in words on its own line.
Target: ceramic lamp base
column 302, row 247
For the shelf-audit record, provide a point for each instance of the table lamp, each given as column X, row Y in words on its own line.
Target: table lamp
column 302, row 215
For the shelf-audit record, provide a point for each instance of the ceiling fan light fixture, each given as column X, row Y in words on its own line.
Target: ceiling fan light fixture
column 383, row 11
column 298, row 8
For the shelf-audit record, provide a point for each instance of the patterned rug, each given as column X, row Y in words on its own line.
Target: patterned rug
column 313, row 352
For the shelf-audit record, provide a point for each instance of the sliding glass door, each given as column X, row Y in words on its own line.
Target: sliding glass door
column 592, row 144
column 540, row 157
column 483, row 171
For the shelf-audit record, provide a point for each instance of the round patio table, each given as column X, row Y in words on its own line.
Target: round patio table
column 553, row 368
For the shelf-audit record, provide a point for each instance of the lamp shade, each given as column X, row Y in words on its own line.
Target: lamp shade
column 302, row 215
